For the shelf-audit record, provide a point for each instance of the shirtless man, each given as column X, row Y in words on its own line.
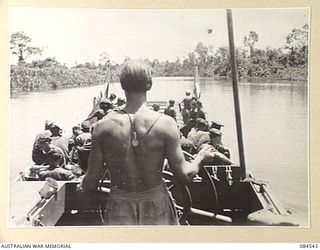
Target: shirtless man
column 133, row 143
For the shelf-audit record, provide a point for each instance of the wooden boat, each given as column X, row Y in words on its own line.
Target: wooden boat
column 219, row 195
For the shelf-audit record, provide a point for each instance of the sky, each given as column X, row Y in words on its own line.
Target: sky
column 81, row 35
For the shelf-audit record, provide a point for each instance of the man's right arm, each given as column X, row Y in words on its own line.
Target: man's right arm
column 183, row 171
column 95, row 162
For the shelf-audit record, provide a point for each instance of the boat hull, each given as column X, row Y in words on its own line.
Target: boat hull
column 231, row 203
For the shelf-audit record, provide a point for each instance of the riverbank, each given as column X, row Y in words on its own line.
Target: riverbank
column 34, row 79
column 267, row 80
column 28, row 79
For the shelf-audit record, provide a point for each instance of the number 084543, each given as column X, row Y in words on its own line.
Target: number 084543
column 309, row 245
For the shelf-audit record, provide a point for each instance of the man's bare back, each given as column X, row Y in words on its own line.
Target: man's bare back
column 135, row 168
column 133, row 144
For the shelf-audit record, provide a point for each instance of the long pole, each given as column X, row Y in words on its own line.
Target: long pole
column 236, row 93
column 196, row 86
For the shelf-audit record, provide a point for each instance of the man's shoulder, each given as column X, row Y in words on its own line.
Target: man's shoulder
column 104, row 124
column 166, row 124
column 149, row 117
column 112, row 116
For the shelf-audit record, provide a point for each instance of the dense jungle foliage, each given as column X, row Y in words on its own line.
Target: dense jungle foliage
column 289, row 62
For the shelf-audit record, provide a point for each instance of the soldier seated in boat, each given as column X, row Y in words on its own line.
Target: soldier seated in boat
column 52, row 161
column 50, row 154
column 120, row 103
column 156, row 107
column 170, row 110
column 76, row 130
column 83, row 146
column 216, row 142
column 38, row 156
column 193, row 114
column 191, row 122
column 59, row 139
column 74, row 158
column 112, row 98
column 214, row 138
column 200, row 113
column 105, row 107
column 222, row 154
column 196, row 134
column 133, row 143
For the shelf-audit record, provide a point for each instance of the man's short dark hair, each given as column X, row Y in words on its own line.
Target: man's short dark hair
column 136, row 76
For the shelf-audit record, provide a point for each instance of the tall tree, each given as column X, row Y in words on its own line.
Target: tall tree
column 201, row 52
column 221, row 61
column 250, row 40
column 297, row 44
column 19, row 42
column 104, row 58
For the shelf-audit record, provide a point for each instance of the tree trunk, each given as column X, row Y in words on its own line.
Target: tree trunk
column 251, row 51
column 21, row 59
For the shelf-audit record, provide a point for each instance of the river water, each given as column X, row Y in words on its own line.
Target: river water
column 274, row 121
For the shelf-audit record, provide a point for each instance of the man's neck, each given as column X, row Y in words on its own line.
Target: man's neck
column 135, row 100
